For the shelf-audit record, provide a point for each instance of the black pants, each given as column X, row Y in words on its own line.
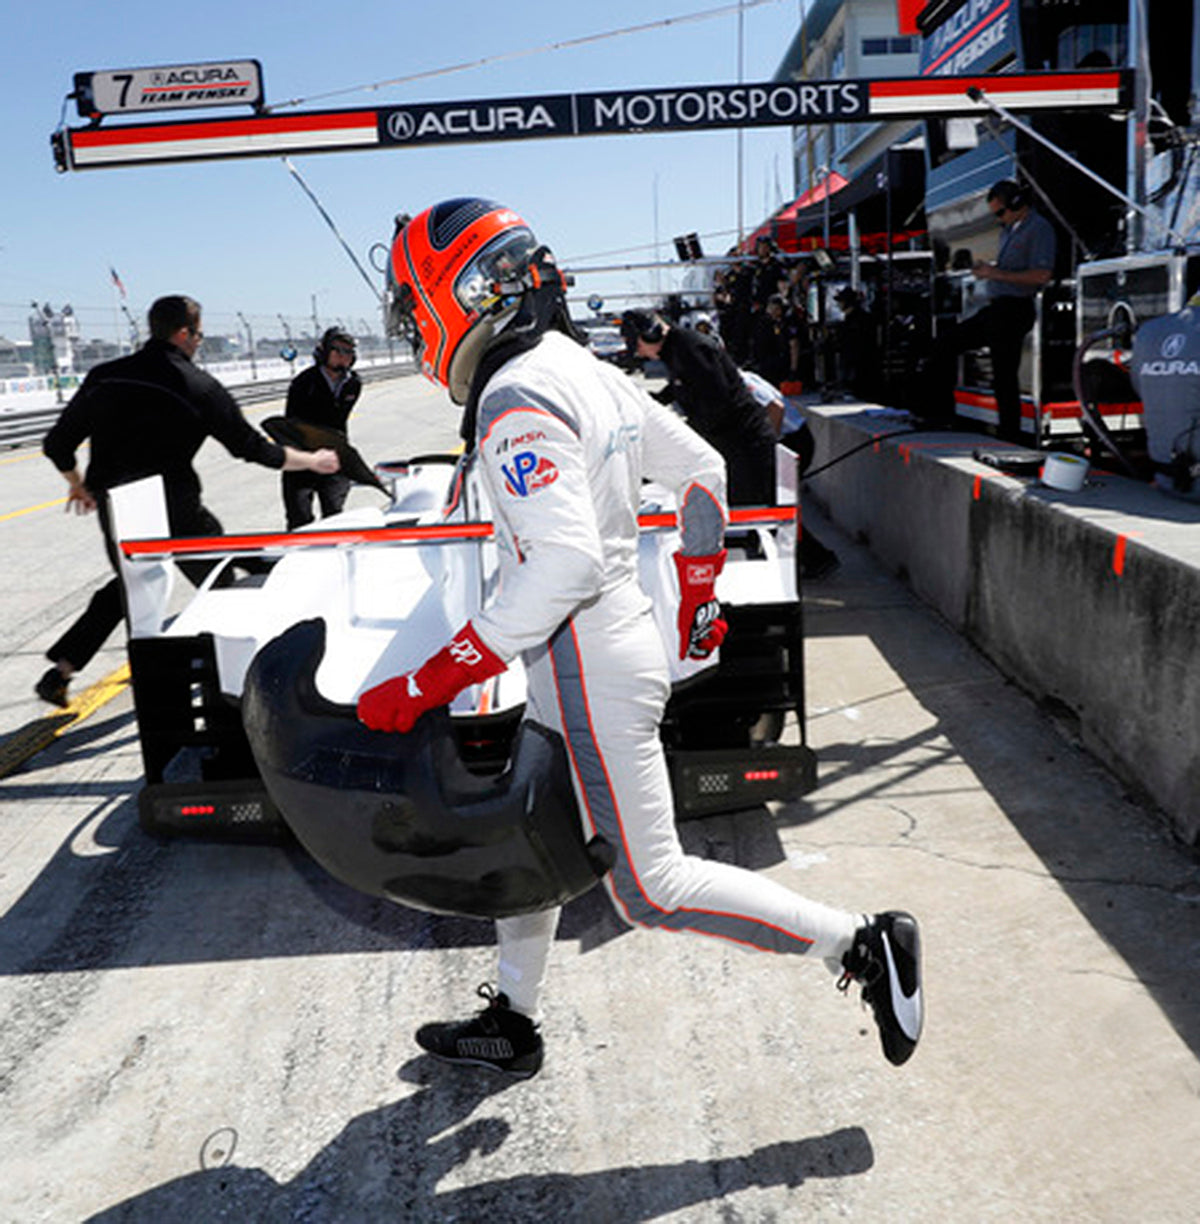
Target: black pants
column 298, row 489
column 106, row 609
column 749, row 470
column 1000, row 327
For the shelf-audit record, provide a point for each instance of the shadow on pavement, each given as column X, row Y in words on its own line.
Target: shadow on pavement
column 112, row 896
column 389, row 1163
column 1130, row 879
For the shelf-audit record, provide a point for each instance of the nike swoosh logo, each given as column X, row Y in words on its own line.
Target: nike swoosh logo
column 907, row 1008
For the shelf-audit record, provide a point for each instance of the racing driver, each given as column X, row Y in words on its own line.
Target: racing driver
column 564, row 442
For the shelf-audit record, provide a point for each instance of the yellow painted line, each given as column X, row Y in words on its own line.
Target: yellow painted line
column 33, row 454
column 22, row 457
column 100, row 693
column 12, row 514
column 29, row 740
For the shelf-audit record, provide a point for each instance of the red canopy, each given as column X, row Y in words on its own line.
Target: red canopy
column 814, row 195
column 888, row 192
column 772, row 226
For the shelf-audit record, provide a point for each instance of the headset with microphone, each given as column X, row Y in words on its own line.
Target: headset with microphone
column 1010, row 193
column 642, row 325
column 332, row 336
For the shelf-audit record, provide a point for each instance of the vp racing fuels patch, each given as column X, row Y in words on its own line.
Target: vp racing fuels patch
column 527, row 473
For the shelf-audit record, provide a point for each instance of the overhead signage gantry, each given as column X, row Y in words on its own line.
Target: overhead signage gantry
column 134, row 90
column 267, row 133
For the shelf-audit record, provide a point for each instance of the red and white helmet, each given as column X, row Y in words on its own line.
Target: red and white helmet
column 456, row 274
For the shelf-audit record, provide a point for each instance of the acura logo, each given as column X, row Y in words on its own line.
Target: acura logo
column 1172, row 346
column 401, row 125
column 443, row 122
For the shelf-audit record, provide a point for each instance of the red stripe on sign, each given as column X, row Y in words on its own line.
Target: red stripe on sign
column 995, row 83
column 966, row 38
column 153, row 89
column 978, row 490
column 220, row 129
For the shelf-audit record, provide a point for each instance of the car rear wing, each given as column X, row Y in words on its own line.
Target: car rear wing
column 266, row 543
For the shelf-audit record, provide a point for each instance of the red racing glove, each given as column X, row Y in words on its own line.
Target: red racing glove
column 396, row 704
column 701, row 626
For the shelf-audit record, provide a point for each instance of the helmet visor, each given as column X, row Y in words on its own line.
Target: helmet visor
column 494, row 275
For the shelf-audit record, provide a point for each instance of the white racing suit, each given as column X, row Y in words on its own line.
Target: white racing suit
column 564, row 442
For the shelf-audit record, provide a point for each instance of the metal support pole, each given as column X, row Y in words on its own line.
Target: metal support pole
column 889, row 364
column 250, row 346
column 977, row 95
column 1137, row 132
column 741, row 230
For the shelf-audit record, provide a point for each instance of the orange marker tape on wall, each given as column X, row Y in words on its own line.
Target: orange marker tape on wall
column 1118, row 561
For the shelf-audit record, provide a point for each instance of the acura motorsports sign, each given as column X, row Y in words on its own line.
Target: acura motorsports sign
column 649, row 110
column 668, row 109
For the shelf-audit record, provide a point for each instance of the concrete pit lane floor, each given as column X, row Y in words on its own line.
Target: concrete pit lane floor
column 202, row 1031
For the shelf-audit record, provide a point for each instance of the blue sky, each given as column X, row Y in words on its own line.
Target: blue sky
column 241, row 236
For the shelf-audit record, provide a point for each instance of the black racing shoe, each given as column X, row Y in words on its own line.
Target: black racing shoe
column 886, row 958
column 52, row 687
column 497, row 1037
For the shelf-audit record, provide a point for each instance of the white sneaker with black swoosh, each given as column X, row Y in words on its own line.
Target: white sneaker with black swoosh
column 886, row 958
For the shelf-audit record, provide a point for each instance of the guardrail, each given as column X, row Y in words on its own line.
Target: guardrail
column 23, row 428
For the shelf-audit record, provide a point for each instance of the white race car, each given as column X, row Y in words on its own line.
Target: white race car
column 370, row 593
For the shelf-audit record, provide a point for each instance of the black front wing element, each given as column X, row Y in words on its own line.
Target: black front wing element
column 401, row 816
column 721, row 732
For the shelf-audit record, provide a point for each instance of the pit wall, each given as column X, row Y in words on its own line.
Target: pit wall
column 1088, row 600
